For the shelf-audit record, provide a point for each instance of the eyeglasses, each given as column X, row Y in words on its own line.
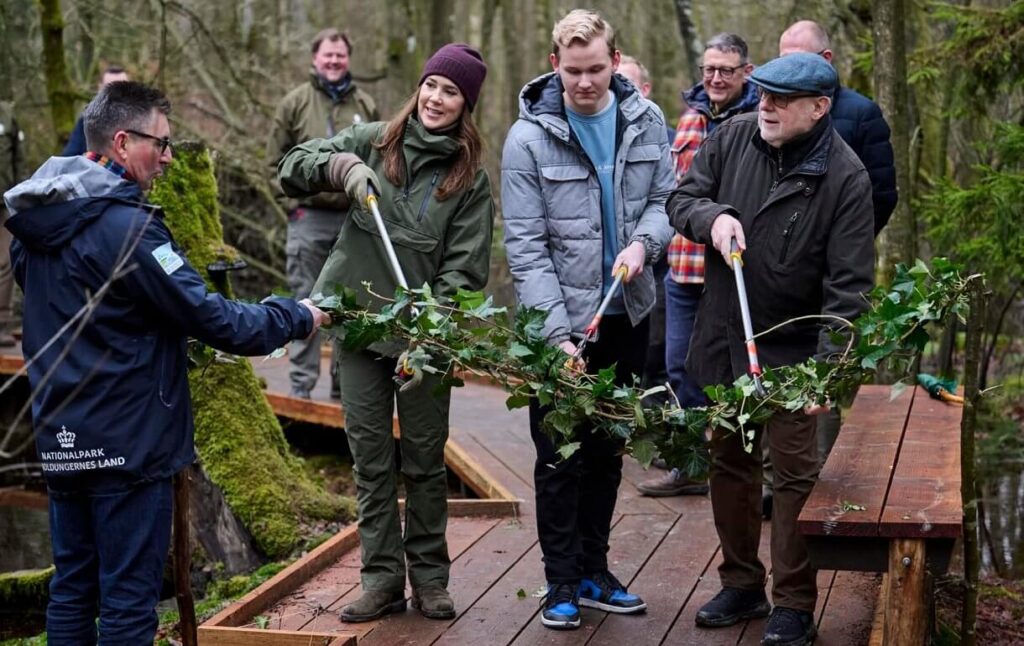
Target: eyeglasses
column 725, row 72
column 781, row 101
column 164, row 142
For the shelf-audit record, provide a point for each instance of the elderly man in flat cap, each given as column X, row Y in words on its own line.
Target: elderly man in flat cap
column 797, row 201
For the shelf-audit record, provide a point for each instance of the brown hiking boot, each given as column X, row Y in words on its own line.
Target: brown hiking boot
column 372, row 605
column 673, row 483
column 433, row 602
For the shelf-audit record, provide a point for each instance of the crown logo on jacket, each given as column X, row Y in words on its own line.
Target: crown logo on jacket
column 66, row 438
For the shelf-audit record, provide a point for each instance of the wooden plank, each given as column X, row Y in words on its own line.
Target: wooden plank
column 462, row 533
column 855, row 473
column 317, row 594
column 754, row 630
column 468, row 507
column 471, row 472
column 849, row 612
column 906, row 610
column 499, row 613
column 12, row 364
column 225, row 636
column 924, row 499
column 472, row 573
column 24, row 498
column 286, row 580
column 632, row 475
column 313, row 411
column 633, row 540
column 878, row 621
column 496, row 468
column 668, row 578
column 686, row 631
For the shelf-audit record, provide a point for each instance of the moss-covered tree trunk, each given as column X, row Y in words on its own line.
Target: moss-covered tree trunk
column 59, row 88
column 239, row 440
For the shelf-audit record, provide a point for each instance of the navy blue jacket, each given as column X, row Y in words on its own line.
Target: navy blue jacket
column 76, row 142
column 107, row 356
column 860, row 123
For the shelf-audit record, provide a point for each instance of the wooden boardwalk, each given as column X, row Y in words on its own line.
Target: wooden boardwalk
column 665, row 550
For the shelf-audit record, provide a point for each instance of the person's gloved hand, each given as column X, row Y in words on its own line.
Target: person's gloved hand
column 358, row 178
column 405, row 374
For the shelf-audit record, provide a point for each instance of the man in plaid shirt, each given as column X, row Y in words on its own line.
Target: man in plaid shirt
column 724, row 92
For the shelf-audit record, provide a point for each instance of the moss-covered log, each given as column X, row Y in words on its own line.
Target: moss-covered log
column 239, row 440
column 24, row 596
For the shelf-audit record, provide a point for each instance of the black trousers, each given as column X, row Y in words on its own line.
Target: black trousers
column 576, row 497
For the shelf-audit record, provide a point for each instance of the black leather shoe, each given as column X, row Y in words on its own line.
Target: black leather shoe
column 789, row 627
column 731, row 605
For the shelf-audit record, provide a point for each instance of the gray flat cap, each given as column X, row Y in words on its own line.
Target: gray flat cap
column 799, row 73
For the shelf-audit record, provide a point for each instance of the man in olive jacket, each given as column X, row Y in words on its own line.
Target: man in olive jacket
column 798, row 202
column 320, row 108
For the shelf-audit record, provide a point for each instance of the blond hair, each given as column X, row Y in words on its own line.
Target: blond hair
column 581, row 26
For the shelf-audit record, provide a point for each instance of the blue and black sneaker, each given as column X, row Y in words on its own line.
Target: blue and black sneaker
column 603, row 591
column 561, row 606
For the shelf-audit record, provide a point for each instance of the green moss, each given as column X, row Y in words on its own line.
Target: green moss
column 25, row 588
column 238, row 438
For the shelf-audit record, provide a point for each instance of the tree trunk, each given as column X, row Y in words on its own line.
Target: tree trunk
column 692, row 47
column 440, row 24
column 898, row 241
column 59, row 88
column 968, row 485
column 513, row 59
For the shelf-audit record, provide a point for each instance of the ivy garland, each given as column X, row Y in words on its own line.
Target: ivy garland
column 466, row 333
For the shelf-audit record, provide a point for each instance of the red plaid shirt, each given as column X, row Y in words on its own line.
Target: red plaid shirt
column 685, row 257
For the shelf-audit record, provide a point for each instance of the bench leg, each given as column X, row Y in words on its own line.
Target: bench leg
column 906, row 606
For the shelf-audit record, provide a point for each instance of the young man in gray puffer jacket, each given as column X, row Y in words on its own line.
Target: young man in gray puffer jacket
column 585, row 174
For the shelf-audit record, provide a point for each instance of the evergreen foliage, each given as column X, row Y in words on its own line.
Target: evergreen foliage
column 469, row 334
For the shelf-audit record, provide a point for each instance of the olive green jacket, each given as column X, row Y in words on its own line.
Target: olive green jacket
column 309, row 112
column 12, row 149
column 444, row 244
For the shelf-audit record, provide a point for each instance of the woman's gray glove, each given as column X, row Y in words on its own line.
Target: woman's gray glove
column 348, row 173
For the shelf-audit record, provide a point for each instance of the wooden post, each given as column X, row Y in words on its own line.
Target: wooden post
column 183, row 561
column 906, row 611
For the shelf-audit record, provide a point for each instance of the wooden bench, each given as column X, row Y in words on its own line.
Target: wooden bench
column 888, row 500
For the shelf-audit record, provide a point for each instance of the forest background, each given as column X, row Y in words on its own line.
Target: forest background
column 948, row 76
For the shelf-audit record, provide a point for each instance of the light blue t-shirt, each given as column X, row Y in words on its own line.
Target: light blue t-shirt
column 596, row 133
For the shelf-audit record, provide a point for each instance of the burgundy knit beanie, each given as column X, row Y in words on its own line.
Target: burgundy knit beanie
column 462, row 65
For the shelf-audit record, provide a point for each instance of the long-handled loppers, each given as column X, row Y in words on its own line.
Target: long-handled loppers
column 591, row 332
column 748, row 328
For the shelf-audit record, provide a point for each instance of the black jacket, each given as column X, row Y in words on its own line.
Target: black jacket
column 809, row 243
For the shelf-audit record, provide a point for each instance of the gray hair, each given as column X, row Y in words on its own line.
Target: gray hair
column 121, row 105
column 729, row 43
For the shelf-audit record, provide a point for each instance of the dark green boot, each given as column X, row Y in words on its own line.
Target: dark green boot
column 372, row 605
column 433, row 602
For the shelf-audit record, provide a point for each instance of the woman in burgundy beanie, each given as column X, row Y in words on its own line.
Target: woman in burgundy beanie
column 426, row 167
column 462, row 65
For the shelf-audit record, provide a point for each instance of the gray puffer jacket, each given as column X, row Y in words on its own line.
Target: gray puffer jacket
column 551, row 202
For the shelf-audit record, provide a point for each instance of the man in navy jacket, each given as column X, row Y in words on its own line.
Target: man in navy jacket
column 109, row 304
column 856, row 118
